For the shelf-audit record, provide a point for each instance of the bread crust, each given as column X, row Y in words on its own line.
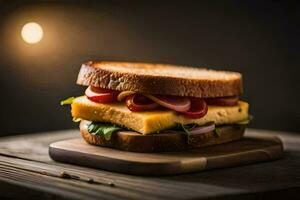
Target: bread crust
column 106, row 75
column 168, row 141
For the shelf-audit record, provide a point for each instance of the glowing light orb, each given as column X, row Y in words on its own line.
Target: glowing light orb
column 32, row 33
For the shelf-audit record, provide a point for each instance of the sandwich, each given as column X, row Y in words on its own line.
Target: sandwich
column 145, row 107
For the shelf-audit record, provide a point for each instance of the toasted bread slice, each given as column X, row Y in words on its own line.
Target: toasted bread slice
column 165, row 141
column 160, row 79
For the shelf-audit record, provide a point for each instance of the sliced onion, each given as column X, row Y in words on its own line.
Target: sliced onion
column 139, row 103
column 197, row 110
column 101, row 95
column 124, row 94
column 203, row 129
column 179, row 104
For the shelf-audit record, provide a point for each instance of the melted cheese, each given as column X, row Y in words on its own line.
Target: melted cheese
column 153, row 121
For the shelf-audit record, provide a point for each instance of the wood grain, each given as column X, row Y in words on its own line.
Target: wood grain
column 279, row 179
column 245, row 151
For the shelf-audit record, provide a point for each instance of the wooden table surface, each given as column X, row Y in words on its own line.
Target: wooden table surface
column 27, row 172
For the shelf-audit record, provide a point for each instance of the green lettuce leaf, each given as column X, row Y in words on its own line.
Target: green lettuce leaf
column 67, row 101
column 185, row 129
column 102, row 129
column 217, row 131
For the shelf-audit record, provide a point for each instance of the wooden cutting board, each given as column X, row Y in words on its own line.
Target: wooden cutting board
column 251, row 149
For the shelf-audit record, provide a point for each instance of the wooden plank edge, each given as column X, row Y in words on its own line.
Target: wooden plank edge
column 139, row 168
column 248, row 157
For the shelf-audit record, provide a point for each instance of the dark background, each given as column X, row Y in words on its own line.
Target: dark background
column 257, row 38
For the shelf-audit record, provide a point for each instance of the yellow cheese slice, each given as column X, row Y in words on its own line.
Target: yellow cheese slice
column 153, row 121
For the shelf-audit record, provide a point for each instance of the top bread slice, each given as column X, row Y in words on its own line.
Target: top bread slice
column 160, row 79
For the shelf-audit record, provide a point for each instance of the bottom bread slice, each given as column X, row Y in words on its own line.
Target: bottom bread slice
column 161, row 142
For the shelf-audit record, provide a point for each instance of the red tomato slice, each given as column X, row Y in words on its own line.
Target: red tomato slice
column 223, row 101
column 179, row 104
column 101, row 95
column 198, row 109
column 137, row 103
